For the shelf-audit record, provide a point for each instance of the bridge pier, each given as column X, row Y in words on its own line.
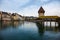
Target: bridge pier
column 55, row 24
column 58, row 24
column 46, row 23
column 50, row 23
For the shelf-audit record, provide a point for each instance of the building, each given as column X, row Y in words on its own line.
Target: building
column 4, row 16
column 8, row 16
column 16, row 16
column 41, row 12
column 0, row 14
column 30, row 18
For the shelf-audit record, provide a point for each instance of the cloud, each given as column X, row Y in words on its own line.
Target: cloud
column 30, row 7
column 0, row 1
column 52, row 8
column 30, row 11
column 8, row 5
column 42, row 1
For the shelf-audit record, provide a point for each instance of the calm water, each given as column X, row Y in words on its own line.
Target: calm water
column 27, row 31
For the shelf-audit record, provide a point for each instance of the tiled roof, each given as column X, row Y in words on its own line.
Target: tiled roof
column 5, row 13
column 41, row 10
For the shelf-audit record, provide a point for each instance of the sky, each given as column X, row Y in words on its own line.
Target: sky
column 31, row 7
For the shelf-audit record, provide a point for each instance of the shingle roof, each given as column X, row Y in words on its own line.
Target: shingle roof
column 41, row 10
column 5, row 13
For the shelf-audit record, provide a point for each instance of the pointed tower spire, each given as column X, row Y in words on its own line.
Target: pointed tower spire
column 41, row 11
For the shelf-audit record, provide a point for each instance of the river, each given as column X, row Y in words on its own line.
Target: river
column 23, row 30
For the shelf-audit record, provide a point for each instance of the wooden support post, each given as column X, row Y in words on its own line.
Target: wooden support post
column 58, row 24
column 55, row 23
column 50, row 23
column 46, row 23
column 42, row 22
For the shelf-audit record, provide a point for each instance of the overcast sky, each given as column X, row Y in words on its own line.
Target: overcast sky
column 31, row 7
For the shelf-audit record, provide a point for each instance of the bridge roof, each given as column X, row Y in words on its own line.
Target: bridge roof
column 48, row 17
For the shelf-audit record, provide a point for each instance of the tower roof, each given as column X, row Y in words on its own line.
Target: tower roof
column 41, row 10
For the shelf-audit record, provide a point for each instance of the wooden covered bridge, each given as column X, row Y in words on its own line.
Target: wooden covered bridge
column 43, row 18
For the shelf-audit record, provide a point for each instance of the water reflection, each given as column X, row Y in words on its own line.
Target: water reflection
column 4, row 24
column 7, row 24
column 42, row 28
column 27, row 30
column 16, row 23
column 48, row 32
